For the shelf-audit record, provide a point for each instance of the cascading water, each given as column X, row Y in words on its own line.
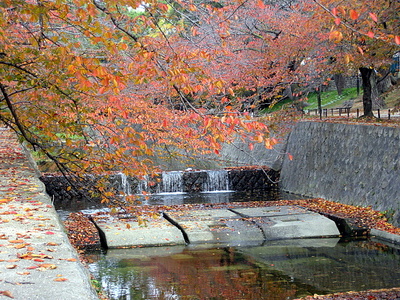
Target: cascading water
column 143, row 185
column 217, row 180
column 125, row 185
column 172, row 182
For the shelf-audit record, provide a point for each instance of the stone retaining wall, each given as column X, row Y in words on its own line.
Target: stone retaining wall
column 350, row 164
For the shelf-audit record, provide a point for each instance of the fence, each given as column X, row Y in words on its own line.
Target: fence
column 380, row 113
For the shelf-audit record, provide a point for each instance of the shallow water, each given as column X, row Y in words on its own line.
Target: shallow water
column 277, row 270
column 286, row 269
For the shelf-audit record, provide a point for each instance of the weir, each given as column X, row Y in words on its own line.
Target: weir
column 198, row 181
column 177, row 182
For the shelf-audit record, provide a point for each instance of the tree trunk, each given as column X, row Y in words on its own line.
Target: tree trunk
column 339, row 82
column 367, row 76
column 319, row 103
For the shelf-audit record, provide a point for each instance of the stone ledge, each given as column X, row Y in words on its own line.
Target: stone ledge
column 385, row 236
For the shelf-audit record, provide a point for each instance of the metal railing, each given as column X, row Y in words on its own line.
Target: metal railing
column 349, row 113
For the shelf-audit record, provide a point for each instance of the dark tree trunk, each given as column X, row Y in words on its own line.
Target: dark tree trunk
column 319, row 103
column 339, row 82
column 367, row 76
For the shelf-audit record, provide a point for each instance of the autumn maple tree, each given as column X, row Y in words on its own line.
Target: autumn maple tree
column 105, row 86
column 367, row 35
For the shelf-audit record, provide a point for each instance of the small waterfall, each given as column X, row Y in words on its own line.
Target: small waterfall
column 143, row 186
column 125, row 185
column 176, row 182
column 217, row 180
column 172, row 182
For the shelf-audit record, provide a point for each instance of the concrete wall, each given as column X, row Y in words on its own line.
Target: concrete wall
column 351, row 164
column 238, row 154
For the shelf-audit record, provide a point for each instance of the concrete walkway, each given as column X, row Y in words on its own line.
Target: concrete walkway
column 36, row 259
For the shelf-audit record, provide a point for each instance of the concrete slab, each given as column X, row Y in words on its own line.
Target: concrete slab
column 269, row 211
column 230, row 227
column 385, row 236
column 287, row 222
column 298, row 226
column 217, row 226
column 128, row 233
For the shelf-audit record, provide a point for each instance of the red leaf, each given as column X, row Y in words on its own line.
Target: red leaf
column 49, row 232
column 337, row 21
column 260, row 4
column 38, row 259
column 60, row 279
column 373, row 17
column 397, row 39
column 334, row 11
column 371, row 34
column 354, row 15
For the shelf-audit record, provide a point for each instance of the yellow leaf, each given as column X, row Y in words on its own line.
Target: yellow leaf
column 335, row 36
column 268, row 144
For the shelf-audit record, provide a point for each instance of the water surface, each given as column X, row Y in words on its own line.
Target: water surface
column 275, row 270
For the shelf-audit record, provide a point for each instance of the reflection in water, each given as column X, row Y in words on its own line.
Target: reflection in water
column 279, row 270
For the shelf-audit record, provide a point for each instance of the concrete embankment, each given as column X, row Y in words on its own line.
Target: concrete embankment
column 36, row 259
column 351, row 164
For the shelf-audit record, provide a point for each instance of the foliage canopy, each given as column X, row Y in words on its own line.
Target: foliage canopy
column 101, row 86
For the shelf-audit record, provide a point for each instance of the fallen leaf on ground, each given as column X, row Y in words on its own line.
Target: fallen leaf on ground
column 23, row 273
column 6, row 293
column 60, row 279
column 11, row 266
